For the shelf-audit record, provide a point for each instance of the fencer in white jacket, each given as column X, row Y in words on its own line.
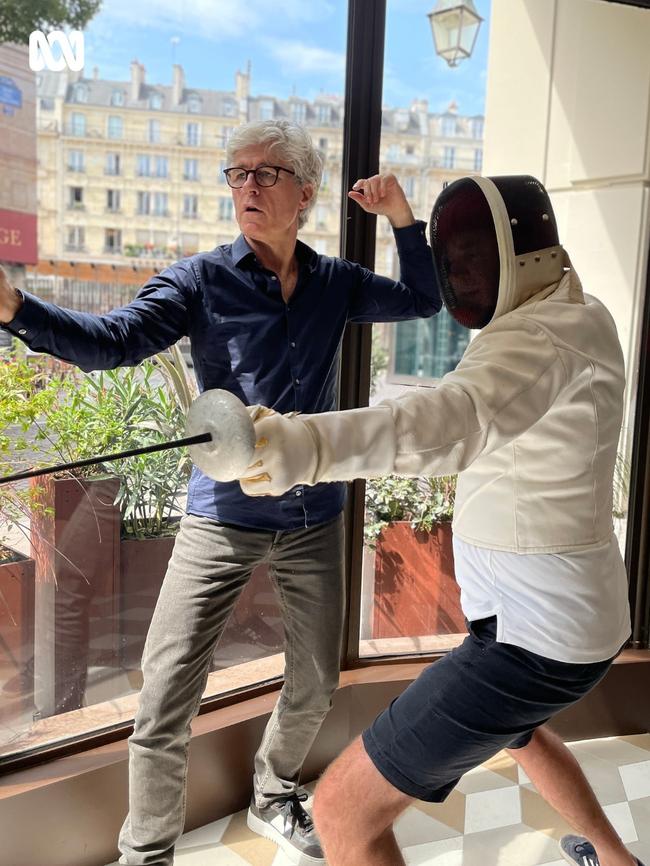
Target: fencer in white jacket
column 530, row 419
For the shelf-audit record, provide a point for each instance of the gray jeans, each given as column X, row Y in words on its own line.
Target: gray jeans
column 208, row 569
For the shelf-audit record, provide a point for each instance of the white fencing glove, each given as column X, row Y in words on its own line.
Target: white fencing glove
column 285, row 454
column 306, row 449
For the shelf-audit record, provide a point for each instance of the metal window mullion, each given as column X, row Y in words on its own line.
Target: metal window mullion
column 637, row 542
column 361, row 141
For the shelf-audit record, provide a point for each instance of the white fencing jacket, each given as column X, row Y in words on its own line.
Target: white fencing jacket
column 530, row 418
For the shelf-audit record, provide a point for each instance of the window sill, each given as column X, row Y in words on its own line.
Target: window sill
column 84, row 722
column 388, row 673
column 82, row 799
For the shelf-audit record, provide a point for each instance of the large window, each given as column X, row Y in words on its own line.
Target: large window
column 191, row 170
column 160, row 204
column 76, row 238
column 91, row 551
column 161, row 166
column 115, row 126
column 426, row 348
column 143, row 203
column 409, row 598
column 77, row 124
column 190, row 206
column 193, row 134
column 76, row 160
column 112, row 165
column 226, row 209
column 91, row 554
column 113, row 200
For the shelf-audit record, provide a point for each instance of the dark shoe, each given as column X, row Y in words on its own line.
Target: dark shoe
column 580, row 852
column 285, row 822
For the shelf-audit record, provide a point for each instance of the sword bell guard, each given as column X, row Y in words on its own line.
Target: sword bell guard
column 232, row 447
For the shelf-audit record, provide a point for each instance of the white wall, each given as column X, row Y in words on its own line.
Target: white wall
column 568, row 100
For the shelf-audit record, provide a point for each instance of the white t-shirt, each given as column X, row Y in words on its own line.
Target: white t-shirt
column 571, row 607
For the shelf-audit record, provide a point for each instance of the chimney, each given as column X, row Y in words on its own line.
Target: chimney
column 178, row 84
column 242, row 91
column 95, row 73
column 243, row 82
column 137, row 79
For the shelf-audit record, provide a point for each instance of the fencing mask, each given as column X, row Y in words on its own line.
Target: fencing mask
column 481, row 231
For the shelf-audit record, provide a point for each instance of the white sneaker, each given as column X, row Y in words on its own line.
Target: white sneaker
column 286, row 822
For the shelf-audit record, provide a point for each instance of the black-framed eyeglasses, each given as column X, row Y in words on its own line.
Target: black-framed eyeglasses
column 265, row 175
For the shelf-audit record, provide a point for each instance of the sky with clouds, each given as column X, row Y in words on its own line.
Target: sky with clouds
column 294, row 46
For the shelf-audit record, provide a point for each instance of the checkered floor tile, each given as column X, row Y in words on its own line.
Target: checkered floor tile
column 493, row 816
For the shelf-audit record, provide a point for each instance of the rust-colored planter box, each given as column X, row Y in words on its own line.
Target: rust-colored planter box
column 415, row 589
column 143, row 563
column 253, row 630
column 75, row 543
column 16, row 630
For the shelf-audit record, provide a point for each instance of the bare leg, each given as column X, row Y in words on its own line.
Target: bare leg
column 354, row 811
column 558, row 778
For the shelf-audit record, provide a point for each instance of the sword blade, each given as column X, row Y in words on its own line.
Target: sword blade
column 106, row 458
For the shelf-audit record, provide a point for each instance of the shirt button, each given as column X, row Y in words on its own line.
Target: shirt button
column 297, row 381
column 298, row 492
column 274, row 277
column 292, row 344
column 22, row 332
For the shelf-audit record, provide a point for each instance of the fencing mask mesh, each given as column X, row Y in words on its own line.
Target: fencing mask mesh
column 466, row 253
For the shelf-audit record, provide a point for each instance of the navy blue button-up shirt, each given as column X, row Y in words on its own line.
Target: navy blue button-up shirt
column 247, row 340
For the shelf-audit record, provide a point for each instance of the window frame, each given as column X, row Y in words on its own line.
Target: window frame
column 361, row 142
column 115, row 127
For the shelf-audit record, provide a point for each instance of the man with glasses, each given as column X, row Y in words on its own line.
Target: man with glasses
column 265, row 315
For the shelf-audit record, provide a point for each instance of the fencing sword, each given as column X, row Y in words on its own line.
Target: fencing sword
column 219, row 435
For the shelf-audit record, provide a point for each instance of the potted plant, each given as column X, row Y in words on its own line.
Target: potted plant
column 102, row 536
column 74, row 533
column 27, row 393
column 112, row 525
column 408, row 523
column 76, row 520
column 152, row 490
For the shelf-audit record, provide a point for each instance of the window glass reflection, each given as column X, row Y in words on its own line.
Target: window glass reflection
column 108, row 176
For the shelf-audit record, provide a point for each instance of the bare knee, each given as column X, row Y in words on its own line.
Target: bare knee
column 353, row 801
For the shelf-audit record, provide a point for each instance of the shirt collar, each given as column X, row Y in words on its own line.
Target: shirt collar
column 241, row 250
column 306, row 256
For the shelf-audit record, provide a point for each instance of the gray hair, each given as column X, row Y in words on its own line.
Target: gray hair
column 285, row 141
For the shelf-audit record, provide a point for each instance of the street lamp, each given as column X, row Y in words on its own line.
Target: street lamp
column 455, row 27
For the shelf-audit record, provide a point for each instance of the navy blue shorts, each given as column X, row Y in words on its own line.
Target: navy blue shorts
column 480, row 698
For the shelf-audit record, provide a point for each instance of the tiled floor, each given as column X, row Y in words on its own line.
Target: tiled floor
column 493, row 817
